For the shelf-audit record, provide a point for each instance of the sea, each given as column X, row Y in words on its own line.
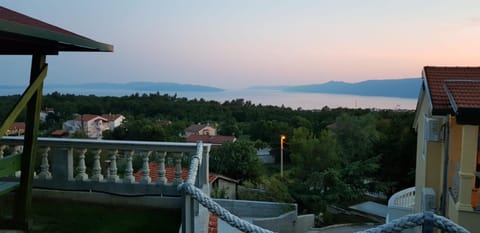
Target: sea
column 294, row 100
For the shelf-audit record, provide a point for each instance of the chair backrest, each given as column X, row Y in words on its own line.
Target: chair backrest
column 9, row 165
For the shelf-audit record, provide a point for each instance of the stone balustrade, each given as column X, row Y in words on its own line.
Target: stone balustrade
column 109, row 166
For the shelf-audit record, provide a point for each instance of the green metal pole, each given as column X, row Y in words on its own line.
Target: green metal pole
column 23, row 200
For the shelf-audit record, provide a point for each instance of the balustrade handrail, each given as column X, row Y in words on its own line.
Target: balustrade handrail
column 403, row 194
column 106, row 144
column 188, row 187
column 67, row 163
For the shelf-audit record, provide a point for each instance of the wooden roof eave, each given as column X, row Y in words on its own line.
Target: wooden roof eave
column 52, row 42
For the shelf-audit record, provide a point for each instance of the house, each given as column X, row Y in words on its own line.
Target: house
column 217, row 139
column 448, row 156
column 223, row 187
column 218, row 183
column 16, row 128
column 92, row 125
column 265, row 156
column 44, row 113
column 114, row 120
column 200, row 129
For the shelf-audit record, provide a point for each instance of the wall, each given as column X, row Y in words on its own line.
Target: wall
column 434, row 168
column 229, row 187
column 420, row 169
column 251, row 208
column 304, row 223
column 469, row 220
column 278, row 217
column 284, row 223
column 102, row 198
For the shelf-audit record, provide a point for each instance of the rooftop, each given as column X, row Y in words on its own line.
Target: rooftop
column 435, row 79
column 218, row 139
column 21, row 34
column 454, row 90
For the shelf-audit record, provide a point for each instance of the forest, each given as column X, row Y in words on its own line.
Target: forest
column 332, row 156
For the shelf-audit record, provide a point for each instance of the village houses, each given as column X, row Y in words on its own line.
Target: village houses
column 93, row 125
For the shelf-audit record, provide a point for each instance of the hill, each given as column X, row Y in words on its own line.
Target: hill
column 140, row 86
column 402, row 88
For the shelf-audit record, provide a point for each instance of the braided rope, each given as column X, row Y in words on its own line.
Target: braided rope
column 413, row 220
column 211, row 205
column 397, row 225
column 221, row 212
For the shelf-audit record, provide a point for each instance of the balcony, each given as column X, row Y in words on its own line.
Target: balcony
column 102, row 171
column 107, row 172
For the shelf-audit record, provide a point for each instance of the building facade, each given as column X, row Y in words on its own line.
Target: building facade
column 448, row 157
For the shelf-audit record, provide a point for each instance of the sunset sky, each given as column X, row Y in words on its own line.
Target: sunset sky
column 237, row 44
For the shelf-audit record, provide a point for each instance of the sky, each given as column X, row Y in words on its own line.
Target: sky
column 237, row 44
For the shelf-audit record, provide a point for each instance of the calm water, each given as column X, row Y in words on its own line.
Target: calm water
column 264, row 97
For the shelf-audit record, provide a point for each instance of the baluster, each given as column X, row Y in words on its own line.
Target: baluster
column 113, row 167
column 129, row 178
column 17, row 150
column 97, row 168
column 161, row 168
column 81, row 168
column 2, row 148
column 178, row 168
column 44, row 166
column 146, row 179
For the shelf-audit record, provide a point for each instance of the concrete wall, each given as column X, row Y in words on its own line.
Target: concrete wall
column 230, row 188
column 284, row 223
column 256, row 209
column 421, row 166
column 469, row 220
column 278, row 217
column 304, row 223
column 108, row 199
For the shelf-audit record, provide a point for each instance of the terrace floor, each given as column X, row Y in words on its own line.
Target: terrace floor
column 50, row 215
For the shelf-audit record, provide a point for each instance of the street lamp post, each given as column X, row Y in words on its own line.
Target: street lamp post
column 282, row 139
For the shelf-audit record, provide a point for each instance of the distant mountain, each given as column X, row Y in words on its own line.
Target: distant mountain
column 140, row 87
column 402, row 88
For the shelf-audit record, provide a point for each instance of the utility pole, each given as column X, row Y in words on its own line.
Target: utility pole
column 282, row 140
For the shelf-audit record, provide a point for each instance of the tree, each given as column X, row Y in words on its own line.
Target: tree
column 316, row 178
column 237, row 160
column 357, row 138
column 311, row 154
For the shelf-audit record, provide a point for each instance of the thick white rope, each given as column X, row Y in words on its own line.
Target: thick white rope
column 221, row 212
column 413, row 220
column 196, row 193
column 397, row 225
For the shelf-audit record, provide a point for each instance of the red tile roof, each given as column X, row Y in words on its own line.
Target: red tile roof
column 218, row 139
column 463, row 94
column 17, row 126
column 169, row 173
column 58, row 132
column 111, row 117
column 195, row 128
column 435, row 78
column 88, row 117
